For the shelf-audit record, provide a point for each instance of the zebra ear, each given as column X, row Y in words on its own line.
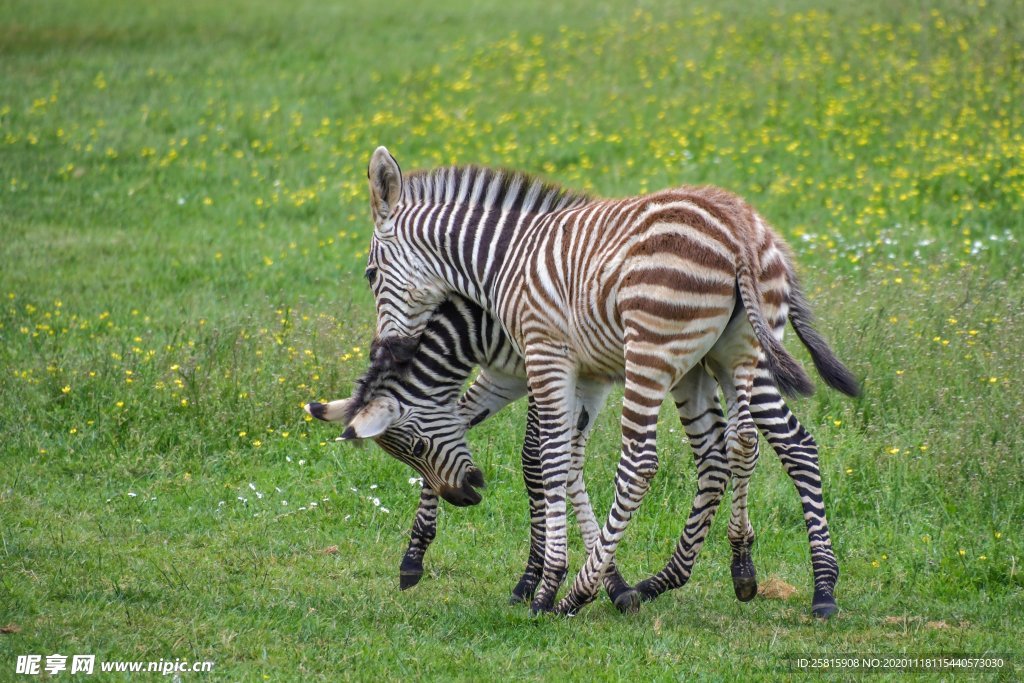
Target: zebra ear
column 328, row 412
column 385, row 184
column 373, row 420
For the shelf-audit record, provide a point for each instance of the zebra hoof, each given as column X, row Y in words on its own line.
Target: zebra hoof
column 518, row 598
column 823, row 606
column 409, row 578
column 628, row 602
column 646, row 590
column 524, row 590
column 745, row 587
column 542, row 606
column 744, row 574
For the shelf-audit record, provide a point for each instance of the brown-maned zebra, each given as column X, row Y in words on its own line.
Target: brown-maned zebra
column 641, row 288
column 428, row 430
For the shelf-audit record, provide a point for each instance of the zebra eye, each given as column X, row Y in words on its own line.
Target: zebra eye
column 419, row 447
column 370, row 274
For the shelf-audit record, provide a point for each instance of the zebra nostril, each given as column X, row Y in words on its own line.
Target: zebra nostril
column 475, row 478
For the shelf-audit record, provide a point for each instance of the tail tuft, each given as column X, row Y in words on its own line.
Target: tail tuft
column 831, row 369
column 787, row 374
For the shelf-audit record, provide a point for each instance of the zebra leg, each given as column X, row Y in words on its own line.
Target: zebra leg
column 527, row 586
column 553, row 389
column 700, row 412
column 742, row 451
column 592, row 396
column 424, row 528
column 798, row 452
column 646, row 387
column 488, row 394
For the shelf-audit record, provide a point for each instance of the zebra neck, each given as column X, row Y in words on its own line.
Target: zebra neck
column 477, row 220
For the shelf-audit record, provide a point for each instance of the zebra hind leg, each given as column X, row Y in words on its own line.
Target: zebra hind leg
column 638, row 463
column 798, row 452
column 700, row 413
column 741, row 532
column 742, row 451
column 592, row 396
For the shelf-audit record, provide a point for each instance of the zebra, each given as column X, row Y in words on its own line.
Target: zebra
column 460, row 335
column 640, row 288
column 430, row 424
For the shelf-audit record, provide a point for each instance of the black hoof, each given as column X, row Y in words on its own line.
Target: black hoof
column 518, row 598
column 524, row 590
column 569, row 606
column 628, row 602
column 646, row 590
column 542, row 606
column 745, row 587
column 744, row 574
column 410, row 572
column 615, row 585
column 824, row 606
column 408, row 579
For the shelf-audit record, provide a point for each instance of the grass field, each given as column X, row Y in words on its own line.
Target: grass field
column 183, row 228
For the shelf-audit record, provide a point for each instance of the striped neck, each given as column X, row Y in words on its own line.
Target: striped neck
column 471, row 217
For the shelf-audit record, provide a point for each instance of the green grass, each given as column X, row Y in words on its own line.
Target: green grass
column 183, row 225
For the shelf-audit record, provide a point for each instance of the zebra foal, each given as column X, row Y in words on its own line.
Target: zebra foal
column 418, row 417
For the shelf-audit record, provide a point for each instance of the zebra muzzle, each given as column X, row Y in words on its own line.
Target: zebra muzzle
column 465, row 495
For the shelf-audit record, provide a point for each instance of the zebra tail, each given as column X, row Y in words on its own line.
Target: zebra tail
column 787, row 374
column 831, row 369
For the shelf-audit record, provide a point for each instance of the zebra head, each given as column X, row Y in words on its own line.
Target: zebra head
column 431, row 440
column 405, row 291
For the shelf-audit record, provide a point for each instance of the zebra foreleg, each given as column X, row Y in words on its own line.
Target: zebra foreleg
column 553, row 389
column 527, row 586
column 638, row 464
column 424, row 529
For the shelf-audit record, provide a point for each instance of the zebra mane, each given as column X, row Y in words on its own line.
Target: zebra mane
column 388, row 359
column 489, row 188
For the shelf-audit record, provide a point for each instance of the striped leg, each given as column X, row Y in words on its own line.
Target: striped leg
column 527, row 586
column 798, row 452
column 700, row 412
column 489, row 394
column 741, row 447
column 552, row 388
column 424, row 528
column 648, row 379
column 592, row 396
